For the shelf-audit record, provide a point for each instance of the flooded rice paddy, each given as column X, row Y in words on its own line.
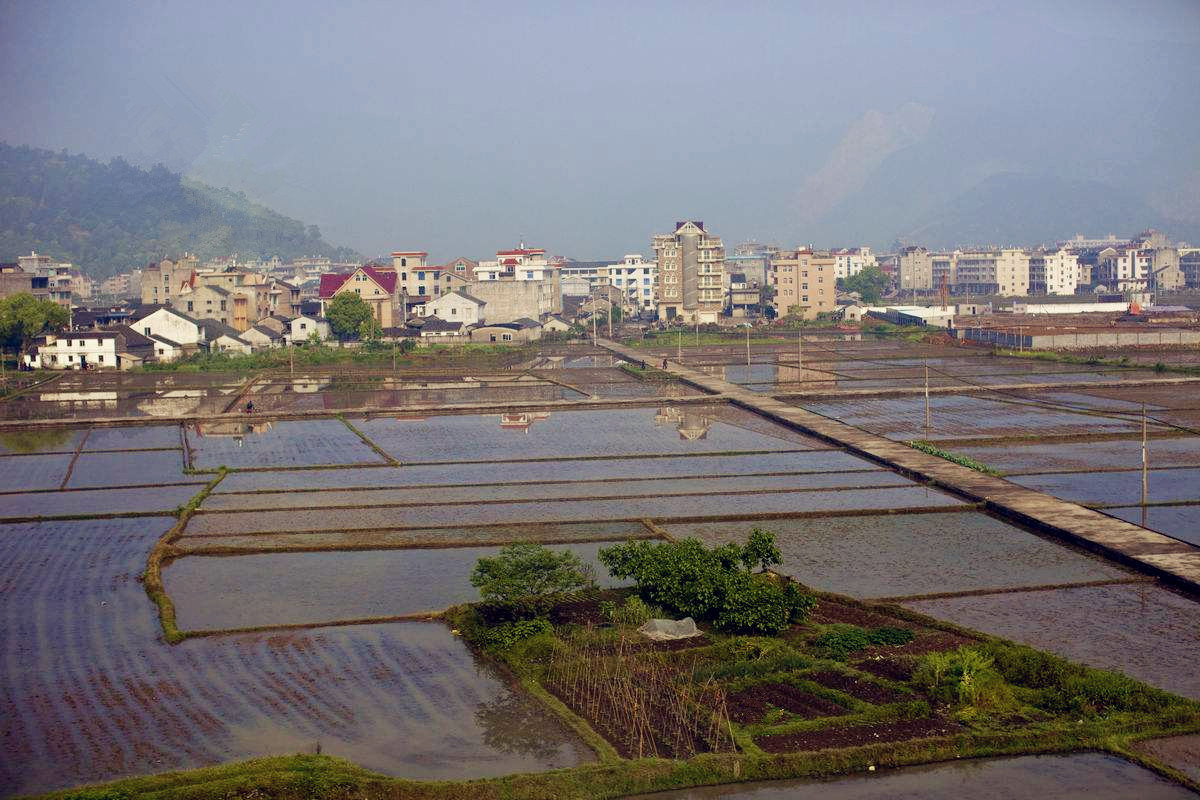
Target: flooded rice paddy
column 314, row 525
column 250, row 591
column 913, row 554
column 1094, row 776
column 90, row 692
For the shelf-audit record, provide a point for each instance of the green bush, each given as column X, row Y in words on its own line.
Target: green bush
column 891, row 636
column 842, row 639
column 964, row 677
column 1066, row 688
column 503, row 637
column 632, row 612
column 528, row 577
column 709, row 584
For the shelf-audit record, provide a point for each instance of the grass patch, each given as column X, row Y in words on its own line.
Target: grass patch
column 962, row 461
column 163, row 550
column 647, row 373
column 386, row 456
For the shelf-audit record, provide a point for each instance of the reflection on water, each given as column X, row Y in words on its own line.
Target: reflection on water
column 236, row 431
column 692, row 427
column 522, row 420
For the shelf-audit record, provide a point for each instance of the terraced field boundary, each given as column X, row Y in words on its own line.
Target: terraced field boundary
column 163, row 550
column 1174, row 561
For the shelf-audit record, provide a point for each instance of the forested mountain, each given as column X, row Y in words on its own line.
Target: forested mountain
column 108, row 218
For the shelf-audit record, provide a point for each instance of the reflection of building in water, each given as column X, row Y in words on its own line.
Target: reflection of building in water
column 234, row 430
column 173, row 403
column 691, row 426
column 523, row 420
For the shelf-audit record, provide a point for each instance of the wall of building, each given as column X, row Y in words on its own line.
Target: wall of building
column 510, row 300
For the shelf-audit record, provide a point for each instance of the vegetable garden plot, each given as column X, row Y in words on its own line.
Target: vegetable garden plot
column 98, row 470
column 21, row 473
column 1178, row 522
column 96, row 502
column 665, row 507
column 277, row 444
column 551, row 491
column 1116, row 488
column 1143, row 630
column 250, row 591
column 910, row 554
column 1097, row 776
column 89, row 692
column 637, row 431
column 565, row 469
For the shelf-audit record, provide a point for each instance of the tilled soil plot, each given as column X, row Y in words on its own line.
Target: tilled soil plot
column 856, row 735
column 855, row 687
column 828, row 612
column 888, row 668
column 749, row 705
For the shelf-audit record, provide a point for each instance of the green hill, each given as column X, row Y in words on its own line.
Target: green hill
column 108, row 218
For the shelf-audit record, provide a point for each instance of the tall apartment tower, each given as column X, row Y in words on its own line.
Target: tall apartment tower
column 691, row 273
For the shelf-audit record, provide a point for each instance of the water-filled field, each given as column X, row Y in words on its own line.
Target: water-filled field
column 913, row 554
column 91, row 692
column 316, row 524
column 1092, row 775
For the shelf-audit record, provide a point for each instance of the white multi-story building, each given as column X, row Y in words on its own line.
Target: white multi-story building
column 634, row 276
column 521, row 264
column 852, row 261
column 1123, row 268
column 1053, row 272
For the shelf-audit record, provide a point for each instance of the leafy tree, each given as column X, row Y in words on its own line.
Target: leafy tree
column 529, row 576
column 870, row 284
column 346, row 314
column 761, row 551
column 370, row 331
column 23, row 317
column 711, row 584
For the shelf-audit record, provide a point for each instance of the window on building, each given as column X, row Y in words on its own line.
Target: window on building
column 421, row 277
column 454, row 312
column 100, row 358
column 421, row 289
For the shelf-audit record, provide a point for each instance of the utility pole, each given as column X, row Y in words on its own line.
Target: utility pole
column 697, row 329
column 926, row 398
column 593, row 319
column 679, row 346
column 1145, row 468
column 747, row 354
column 610, row 313
column 291, row 359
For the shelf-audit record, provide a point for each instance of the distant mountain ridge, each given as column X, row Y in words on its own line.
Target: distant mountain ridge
column 108, row 218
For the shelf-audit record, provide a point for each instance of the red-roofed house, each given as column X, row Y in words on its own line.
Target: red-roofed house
column 376, row 285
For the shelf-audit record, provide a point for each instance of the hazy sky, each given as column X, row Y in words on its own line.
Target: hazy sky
column 587, row 127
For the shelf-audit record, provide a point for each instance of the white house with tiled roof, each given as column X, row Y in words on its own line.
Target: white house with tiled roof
column 456, row 307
